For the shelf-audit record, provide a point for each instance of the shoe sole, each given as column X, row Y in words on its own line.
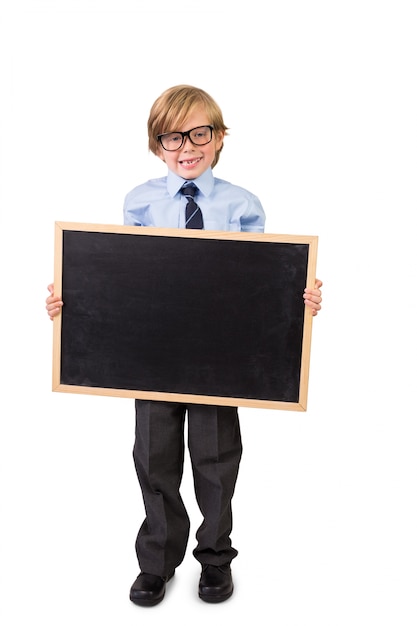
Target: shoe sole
column 214, row 599
column 147, row 602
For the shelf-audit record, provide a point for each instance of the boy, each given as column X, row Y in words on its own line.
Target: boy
column 186, row 130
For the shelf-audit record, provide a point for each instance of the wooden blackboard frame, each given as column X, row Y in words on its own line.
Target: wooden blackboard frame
column 116, row 235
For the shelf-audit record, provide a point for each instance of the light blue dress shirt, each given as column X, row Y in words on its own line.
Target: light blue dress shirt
column 224, row 206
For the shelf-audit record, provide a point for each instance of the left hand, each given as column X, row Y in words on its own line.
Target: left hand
column 312, row 297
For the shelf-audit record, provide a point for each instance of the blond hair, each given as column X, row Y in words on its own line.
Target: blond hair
column 171, row 109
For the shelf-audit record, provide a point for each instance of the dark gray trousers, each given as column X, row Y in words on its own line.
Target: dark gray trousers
column 215, row 448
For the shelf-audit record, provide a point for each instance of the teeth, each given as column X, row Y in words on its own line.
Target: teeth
column 191, row 162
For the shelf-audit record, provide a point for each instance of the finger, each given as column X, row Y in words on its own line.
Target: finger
column 53, row 312
column 311, row 297
column 54, row 305
column 314, row 292
column 316, row 306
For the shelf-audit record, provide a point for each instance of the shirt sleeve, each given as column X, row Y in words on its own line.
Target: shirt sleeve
column 134, row 211
column 253, row 219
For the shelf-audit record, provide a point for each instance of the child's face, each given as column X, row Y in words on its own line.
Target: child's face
column 191, row 161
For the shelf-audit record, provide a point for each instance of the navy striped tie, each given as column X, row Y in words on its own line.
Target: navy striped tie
column 193, row 215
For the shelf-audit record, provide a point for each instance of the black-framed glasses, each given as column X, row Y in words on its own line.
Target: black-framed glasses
column 199, row 136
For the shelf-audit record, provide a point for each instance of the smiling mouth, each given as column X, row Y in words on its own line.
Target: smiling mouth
column 190, row 161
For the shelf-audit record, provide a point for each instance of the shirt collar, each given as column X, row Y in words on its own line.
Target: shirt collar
column 204, row 183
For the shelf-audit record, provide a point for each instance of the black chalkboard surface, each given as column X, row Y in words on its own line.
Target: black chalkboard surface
column 190, row 316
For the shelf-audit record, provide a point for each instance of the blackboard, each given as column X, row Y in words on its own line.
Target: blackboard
column 187, row 316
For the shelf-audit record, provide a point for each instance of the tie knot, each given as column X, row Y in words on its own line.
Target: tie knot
column 189, row 190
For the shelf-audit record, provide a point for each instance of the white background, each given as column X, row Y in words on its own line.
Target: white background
column 321, row 100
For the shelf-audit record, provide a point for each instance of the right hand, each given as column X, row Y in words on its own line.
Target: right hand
column 53, row 303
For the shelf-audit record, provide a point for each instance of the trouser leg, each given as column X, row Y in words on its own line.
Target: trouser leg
column 159, row 459
column 215, row 449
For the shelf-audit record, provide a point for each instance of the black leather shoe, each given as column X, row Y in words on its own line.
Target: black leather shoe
column 216, row 583
column 148, row 589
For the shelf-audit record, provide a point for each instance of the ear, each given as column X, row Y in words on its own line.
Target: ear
column 219, row 139
column 160, row 153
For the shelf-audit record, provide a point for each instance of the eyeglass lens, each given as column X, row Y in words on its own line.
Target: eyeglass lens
column 198, row 136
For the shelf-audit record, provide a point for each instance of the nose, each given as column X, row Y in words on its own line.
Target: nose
column 184, row 145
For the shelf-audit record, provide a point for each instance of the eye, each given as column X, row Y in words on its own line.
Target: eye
column 200, row 133
column 173, row 139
